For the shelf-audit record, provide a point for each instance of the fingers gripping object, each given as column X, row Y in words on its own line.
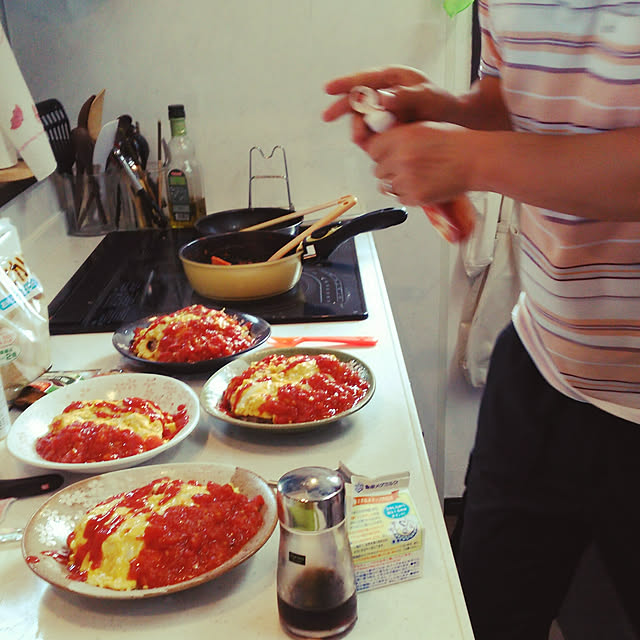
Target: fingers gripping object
column 366, row 101
column 454, row 220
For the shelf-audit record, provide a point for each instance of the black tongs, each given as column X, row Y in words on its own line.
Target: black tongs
column 152, row 212
column 131, row 154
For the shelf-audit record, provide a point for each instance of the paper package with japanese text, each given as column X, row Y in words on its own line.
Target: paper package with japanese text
column 24, row 321
column 385, row 531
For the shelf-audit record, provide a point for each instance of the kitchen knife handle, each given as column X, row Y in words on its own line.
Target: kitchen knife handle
column 30, row 486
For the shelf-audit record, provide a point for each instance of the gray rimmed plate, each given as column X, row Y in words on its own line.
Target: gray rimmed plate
column 47, row 531
column 214, row 388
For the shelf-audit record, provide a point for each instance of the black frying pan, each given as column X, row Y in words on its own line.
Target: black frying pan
column 237, row 219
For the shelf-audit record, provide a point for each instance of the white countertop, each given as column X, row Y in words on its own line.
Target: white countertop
column 384, row 437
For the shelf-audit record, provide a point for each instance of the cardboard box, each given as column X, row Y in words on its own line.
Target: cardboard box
column 385, row 532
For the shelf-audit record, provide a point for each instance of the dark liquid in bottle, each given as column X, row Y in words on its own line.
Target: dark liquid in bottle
column 318, row 605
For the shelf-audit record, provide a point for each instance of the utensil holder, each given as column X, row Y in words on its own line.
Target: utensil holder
column 87, row 203
column 95, row 204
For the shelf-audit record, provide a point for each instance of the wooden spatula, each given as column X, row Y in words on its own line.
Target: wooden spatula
column 344, row 204
column 94, row 119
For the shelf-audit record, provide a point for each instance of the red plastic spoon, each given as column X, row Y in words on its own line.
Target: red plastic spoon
column 354, row 341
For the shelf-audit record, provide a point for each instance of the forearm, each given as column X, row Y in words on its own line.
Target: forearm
column 482, row 107
column 587, row 175
column 414, row 98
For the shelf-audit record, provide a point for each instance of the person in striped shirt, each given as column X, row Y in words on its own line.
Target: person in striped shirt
column 553, row 122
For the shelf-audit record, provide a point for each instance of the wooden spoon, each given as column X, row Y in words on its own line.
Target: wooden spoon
column 94, row 118
column 292, row 215
column 345, row 204
column 83, row 146
column 83, row 150
column 83, row 114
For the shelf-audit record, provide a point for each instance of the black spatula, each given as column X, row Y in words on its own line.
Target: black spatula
column 56, row 124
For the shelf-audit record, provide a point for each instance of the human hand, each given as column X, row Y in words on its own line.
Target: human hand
column 387, row 78
column 410, row 97
column 403, row 91
column 422, row 163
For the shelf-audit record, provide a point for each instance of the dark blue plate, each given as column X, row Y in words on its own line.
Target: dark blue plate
column 260, row 331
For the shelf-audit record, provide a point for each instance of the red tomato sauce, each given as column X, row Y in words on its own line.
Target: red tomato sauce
column 183, row 542
column 336, row 388
column 96, row 441
column 212, row 334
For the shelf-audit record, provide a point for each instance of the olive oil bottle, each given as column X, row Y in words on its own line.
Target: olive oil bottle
column 185, row 194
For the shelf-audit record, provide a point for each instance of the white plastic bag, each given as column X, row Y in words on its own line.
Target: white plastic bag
column 24, row 324
column 478, row 249
column 494, row 292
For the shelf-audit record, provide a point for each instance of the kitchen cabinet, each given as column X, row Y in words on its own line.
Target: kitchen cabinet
column 16, row 173
column 384, row 437
column 13, row 181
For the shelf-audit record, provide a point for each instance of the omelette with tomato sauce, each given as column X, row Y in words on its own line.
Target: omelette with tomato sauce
column 163, row 533
column 99, row 430
column 291, row 389
column 192, row 334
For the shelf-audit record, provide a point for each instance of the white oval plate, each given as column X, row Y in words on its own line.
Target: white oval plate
column 214, row 388
column 34, row 422
column 49, row 527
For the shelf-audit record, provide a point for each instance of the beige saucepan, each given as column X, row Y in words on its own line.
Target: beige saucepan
column 252, row 274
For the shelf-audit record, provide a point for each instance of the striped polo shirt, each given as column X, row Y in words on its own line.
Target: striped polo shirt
column 574, row 67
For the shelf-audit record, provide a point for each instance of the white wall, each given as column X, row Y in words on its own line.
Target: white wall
column 251, row 72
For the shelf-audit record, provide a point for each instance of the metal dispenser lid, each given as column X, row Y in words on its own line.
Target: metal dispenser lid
column 311, row 499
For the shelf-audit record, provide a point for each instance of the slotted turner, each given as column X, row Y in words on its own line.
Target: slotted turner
column 56, row 124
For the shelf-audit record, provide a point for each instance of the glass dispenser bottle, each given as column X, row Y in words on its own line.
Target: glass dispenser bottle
column 315, row 577
column 184, row 180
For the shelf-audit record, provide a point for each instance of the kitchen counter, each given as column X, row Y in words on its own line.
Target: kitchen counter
column 382, row 438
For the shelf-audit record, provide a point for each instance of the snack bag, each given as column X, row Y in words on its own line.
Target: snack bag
column 24, row 324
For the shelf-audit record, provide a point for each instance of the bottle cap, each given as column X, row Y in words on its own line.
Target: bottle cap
column 176, row 111
column 366, row 101
column 311, row 499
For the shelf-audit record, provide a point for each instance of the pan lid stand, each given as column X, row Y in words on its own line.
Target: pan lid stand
column 284, row 176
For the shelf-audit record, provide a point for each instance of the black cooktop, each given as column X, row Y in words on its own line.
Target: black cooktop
column 134, row 274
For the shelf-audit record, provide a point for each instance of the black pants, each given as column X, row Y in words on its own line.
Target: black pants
column 547, row 476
